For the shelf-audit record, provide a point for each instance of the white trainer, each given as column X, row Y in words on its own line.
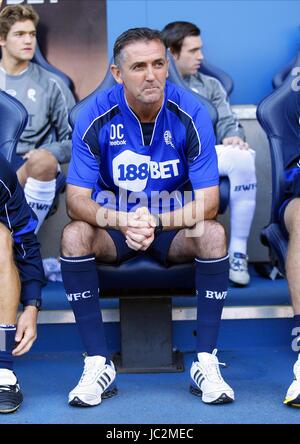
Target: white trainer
column 95, row 384
column 207, row 380
column 238, row 269
column 292, row 397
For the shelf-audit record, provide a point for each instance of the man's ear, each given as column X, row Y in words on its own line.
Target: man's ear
column 168, row 65
column 116, row 73
column 174, row 54
column 2, row 40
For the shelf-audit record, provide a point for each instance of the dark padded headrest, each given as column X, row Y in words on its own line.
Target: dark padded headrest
column 279, row 78
column 176, row 78
column 278, row 116
column 222, row 76
column 13, row 119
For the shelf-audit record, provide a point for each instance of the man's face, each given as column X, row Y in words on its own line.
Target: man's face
column 143, row 72
column 190, row 57
column 20, row 41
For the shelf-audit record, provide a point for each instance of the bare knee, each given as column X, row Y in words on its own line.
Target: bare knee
column 6, row 246
column 41, row 165
column 211, row 244
column 77, row 239
column 292, row 217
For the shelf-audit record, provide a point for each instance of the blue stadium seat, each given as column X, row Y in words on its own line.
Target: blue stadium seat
column 13, row 120
column 279, row 78
column 271, row 114
column 213, row 71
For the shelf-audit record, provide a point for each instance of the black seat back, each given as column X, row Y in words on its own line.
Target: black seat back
column 282, row 129
column 279, row 78
column 13, row 119
column 213, row 71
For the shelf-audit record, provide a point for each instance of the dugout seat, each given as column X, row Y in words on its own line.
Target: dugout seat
column 13, row 120
column 145, row 289
column 279, row 78
column 272, row 115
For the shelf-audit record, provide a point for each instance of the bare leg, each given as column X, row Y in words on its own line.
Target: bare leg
column 41, row 165
column 292, row 222
column 81, row 239
column 210, row 245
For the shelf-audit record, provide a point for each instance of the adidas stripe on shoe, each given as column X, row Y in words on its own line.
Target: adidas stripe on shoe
column 95, row 384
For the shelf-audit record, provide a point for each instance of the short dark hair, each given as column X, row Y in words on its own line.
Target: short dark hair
column 16, row 13
column 174, row 34
column 134, row 35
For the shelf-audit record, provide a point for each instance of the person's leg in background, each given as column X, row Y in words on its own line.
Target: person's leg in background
column 292, row 224
column 239, row 166
column 10, row 394
column 37, row 177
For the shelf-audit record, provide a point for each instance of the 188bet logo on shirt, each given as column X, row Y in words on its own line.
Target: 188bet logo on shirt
column 131, row 170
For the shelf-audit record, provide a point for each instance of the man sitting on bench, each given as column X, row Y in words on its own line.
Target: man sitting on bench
column 135, row 147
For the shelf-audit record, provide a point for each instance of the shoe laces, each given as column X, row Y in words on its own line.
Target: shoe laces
column 212, row 368
column 90, row 371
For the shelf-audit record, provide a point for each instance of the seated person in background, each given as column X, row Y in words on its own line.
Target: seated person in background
column 135, row 147
column 235, row 159
column 289, row 216
column 18, row 244
column 47, row 102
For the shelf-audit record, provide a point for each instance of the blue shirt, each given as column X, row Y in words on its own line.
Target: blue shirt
column 110, row 157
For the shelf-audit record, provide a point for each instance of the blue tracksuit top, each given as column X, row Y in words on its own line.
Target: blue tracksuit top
column 109, row 153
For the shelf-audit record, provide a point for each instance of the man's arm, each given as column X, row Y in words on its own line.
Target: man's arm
column 61, row 103
column 81, row 207
column 22, row 223
column 227, row 124
column 204, row 207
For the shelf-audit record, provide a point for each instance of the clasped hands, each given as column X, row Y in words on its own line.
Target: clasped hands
column 139, row 229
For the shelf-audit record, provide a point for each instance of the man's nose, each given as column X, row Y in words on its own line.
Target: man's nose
column 200, row 55
column 29, row 38
column 149, row 73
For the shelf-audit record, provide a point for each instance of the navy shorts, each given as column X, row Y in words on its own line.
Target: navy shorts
column 16, row 162
column 159, row 248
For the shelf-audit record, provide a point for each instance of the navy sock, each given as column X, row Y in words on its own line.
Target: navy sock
column 80, row 278
column 7, row 342
column 211, row 287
